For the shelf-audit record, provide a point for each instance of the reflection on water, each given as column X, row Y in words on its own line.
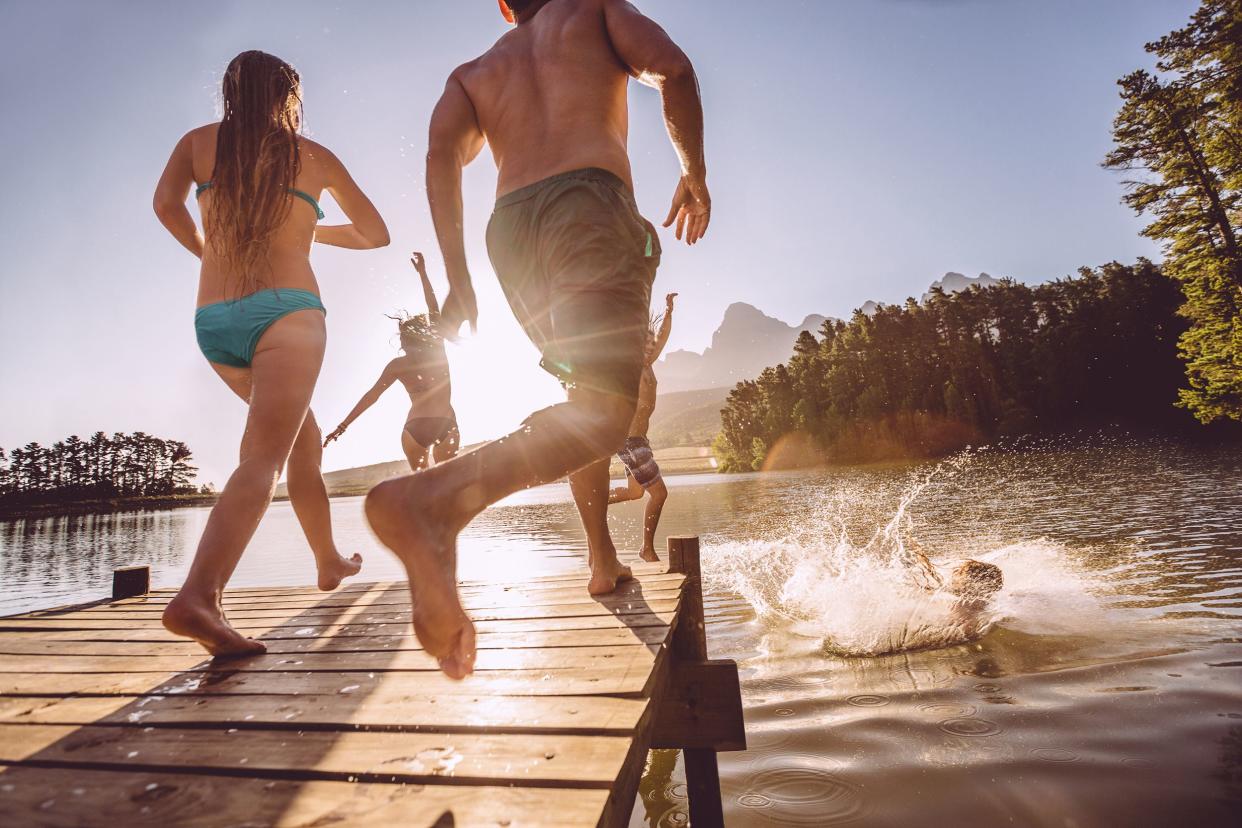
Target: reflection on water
column 1108, row 692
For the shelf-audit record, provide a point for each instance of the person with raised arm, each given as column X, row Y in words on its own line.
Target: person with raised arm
column 430, row 431
column 642, row 473
column 260, row 321
column 576, row 261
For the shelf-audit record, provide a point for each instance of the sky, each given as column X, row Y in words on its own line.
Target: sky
column 856, row 150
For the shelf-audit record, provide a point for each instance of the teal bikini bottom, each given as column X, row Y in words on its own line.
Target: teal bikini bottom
column 228, row 332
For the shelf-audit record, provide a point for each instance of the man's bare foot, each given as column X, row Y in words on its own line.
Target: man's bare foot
column 338, row 570
column 410, row 518
column 205, row 623
column 606, row 575
column 649, row 556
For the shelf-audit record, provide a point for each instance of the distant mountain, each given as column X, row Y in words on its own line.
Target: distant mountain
column 951, row 283
column 747, row 341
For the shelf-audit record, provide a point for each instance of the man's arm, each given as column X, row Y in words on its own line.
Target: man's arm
column 455, row 140
column 653, row 58
column 666, row 328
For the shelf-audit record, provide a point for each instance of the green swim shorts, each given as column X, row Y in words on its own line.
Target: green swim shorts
column 576, row 262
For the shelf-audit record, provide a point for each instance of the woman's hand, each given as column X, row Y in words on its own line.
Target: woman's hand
column 668, row 301
column 420, row 265
column 334, row 435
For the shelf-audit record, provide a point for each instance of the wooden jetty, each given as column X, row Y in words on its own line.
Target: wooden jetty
column 106, row 719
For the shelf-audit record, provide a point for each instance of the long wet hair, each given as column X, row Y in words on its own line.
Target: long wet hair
column 257, row 162
column 419, row 333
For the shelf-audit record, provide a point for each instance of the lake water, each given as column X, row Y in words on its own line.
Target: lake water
column 1107, row 690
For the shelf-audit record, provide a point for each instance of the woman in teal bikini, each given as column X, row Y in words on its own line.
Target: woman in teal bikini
column 260, row 321
column 431, row 426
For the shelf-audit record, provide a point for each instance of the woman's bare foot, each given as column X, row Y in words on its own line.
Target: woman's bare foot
column 649, row 555
column 410, row 518
column 204, row 622
column 606, row 573
column 337, row 570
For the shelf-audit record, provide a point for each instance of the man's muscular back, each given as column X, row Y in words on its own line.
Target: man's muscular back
column 551, row 95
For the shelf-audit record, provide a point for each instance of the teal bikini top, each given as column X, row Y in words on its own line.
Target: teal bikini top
column 307, row 197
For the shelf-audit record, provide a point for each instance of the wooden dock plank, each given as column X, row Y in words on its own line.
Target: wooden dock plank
column 515, row 658
column 57, row 798
column 242, row 620
column 545, row 760
column 583, row 715
column 603, row 680
column 26, row 643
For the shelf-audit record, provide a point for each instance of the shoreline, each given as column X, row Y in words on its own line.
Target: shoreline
column 105, row 506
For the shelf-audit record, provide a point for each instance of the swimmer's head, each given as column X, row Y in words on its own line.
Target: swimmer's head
column 653, row 333
column 975, row 579
column 417, row 332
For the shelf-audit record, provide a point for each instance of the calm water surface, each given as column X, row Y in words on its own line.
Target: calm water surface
column 1107, row 691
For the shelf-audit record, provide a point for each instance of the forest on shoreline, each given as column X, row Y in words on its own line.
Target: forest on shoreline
column 104, row 473
column 1137, row 345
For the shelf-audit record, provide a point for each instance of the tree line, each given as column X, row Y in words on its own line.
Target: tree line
column 926, row 378
column 1127, row 344
column 123, row 465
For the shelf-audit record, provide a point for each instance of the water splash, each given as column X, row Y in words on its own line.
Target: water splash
column 817, row 582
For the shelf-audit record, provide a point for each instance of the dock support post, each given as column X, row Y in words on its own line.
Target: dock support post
column 130, row 581
column 690, row 645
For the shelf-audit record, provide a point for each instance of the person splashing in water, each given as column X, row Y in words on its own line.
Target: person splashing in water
column 430, row 431
column 260, row 321
column 972, row 584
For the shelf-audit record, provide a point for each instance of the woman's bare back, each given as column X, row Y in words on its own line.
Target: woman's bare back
column 289, row 250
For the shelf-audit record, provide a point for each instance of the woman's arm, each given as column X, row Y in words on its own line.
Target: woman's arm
column 367, row 229
column 666, row 328
column 368, row 399
column 170, row 194
column 429, row 293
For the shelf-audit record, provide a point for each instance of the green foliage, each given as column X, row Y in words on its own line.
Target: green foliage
column 123, row 465
column 1179, row 131
column 924, row 379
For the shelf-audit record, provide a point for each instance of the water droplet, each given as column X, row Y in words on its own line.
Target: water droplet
column 867, row 700
column 969, row 726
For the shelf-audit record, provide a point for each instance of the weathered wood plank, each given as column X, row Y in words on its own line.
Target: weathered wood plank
column 26, row 643
column 385, row 709
column 412, row 758
column 605, row 680
column 54, row 798
column 377, row 611
column 632, row 656
column 363, row 616
column 657, row 617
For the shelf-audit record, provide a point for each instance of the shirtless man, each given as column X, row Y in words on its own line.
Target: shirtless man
column 576, row 262
column 642, row 473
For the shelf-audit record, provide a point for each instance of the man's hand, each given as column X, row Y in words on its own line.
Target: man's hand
column 459, row 306
column 692, row 208
column 420, row 265
column 668, row 301
column 336, row 433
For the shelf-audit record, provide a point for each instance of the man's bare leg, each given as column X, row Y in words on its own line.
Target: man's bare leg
column 590, row 488
column 657, row 494
column 419, row 516
column 309, row 497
